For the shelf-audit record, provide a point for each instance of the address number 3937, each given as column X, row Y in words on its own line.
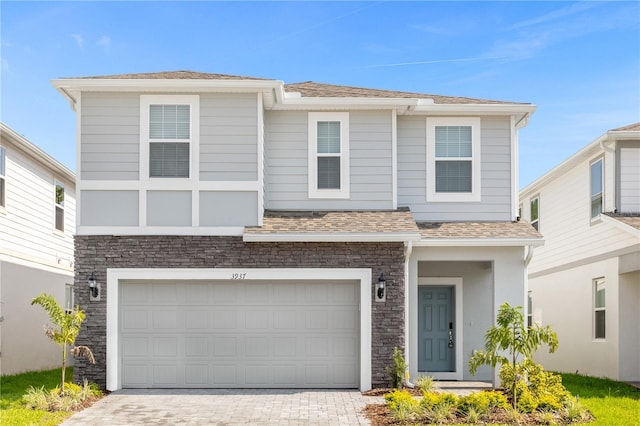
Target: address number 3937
column 238, row 275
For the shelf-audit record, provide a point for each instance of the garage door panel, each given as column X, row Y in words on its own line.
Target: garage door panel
column 239, row 334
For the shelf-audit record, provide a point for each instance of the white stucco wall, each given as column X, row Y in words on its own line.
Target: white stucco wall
column 564, row 300
column 23, row 345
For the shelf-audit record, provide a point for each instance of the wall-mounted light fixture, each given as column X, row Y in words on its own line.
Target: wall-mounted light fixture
column 94, row 288
column 380, row 292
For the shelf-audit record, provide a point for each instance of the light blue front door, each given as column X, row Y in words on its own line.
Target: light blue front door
column 436, row 339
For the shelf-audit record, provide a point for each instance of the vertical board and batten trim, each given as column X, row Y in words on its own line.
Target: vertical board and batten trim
column 114, row 276
column 78, row 107
column 515, row 203
column 260, row 142
column 394, row 159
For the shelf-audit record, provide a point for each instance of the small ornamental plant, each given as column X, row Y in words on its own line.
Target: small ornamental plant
column 65, row 330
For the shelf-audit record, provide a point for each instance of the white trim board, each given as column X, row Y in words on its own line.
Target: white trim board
column 114, row 276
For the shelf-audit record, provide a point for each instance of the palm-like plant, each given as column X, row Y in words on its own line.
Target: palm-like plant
column 512, row 337
column 67, row 328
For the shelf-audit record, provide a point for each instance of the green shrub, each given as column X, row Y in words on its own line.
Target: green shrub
column 477, row 402
column 526, row 402
column 398, row 370
column 547, row 418
column 425, row 383
column 540, row 389
column 472, row 416
column 402, row 404
column 496, row 399
column 74, row 397
column 574, row 411
column 441, row 413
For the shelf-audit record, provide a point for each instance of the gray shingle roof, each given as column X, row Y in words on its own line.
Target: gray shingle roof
column 630, row 127
column 631, row 219
column 313, row 89
column 175, row 75
column 477, row 230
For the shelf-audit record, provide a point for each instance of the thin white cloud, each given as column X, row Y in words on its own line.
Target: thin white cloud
column 79, row 40
column 436, row 61
column 554, row 15
column 105, row 43
column 431, row 29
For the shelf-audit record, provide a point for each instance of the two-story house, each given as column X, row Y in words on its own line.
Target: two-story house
column 243, row 232
column 37, row 223
column 585, row 281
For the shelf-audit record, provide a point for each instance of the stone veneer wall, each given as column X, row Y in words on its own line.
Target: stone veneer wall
column 99, row 252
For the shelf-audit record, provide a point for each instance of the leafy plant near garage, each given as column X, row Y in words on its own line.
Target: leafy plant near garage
column 74, row 397
column 398, row 370
column 67, row 326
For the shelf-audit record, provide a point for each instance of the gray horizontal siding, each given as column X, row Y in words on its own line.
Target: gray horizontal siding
column 495, row 179
column 286, row 162
column 228, row 137
column 110, row 136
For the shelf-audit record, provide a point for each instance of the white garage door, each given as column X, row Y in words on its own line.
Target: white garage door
column 243, row 334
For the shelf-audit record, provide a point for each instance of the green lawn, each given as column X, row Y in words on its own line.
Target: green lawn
column 12, row 407
column 612, row 403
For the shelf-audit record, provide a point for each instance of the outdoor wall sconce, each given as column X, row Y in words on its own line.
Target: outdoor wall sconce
column 94, row 287
column 380, row 288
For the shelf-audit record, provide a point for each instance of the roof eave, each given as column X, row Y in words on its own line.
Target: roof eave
column 620, row 225
column 327, row 237
column 480, row 242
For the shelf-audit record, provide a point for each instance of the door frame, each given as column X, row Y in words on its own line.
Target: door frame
column 457, row 283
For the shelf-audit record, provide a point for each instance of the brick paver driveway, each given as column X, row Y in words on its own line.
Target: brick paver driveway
column 227, row 407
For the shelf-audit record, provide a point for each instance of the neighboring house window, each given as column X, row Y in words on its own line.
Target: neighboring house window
column 520, row 212
column 596, row 188
column 535, row 213
column 529, row 310
column 68, row 297
column 59, row 206
column 3, row 171
column 329, row 155
column 168, row 134
column 599, row 308
column 453, row 159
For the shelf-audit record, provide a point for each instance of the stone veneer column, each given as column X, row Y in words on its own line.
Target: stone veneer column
column 99, row 252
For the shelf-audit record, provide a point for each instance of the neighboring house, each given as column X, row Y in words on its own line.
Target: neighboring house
column 585, row 281
column 238, row 230
column 37, row 223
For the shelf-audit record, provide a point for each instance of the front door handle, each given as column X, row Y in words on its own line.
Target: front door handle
column 450, row 339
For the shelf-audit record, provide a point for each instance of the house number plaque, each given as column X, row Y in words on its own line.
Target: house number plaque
column 238, row 276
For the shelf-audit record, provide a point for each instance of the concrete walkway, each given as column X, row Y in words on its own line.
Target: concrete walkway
column 227, row 407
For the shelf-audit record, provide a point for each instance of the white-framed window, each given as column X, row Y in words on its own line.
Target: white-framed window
column 595, row 171
column 3, row 177
column 453, row 159
column 328, row 155
column 534, row 205
column 520, row 211
column 599, row 308
column 168, row 135
column 68, row 297
column 59, row 206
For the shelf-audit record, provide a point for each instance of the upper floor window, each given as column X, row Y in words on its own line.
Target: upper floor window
column 59, row 206
column 329, row 155
column 168, row 127
column 535, row 212
column 596, row 188
column 453, row 159
column 599, row 308
column 3, row 171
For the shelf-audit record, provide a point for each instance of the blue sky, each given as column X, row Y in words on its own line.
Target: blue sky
column 579, row 62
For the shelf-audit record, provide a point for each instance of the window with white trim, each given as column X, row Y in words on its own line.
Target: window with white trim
column 595, row 171
column 329, row 155
column 599, row 307
column 534, row 205
column 529, row 310
column 453, row 159
column 167, row 126
column 59, row 206
column 68, row 297
column 3, row 171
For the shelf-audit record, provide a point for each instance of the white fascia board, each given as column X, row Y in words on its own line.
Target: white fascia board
column 480, row 242
column 161, row 230
column 473, row 109
column 342, row 237
column 70, row 88
column 623, row 134
column 620, row 225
